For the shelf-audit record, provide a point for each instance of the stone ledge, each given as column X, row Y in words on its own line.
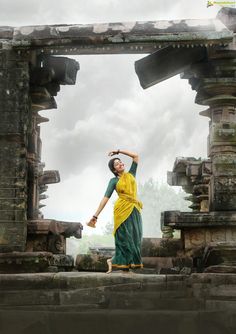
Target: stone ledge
column 178, row 220
column 81, row 280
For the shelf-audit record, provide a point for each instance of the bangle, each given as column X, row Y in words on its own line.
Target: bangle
column 95, row 217
column 118, row 151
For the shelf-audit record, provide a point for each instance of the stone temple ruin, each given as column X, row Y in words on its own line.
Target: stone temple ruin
column 32, row 69
column 29, row 82
column 31, row 75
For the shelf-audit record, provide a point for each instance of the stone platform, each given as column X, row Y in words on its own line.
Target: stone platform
column 54, row 303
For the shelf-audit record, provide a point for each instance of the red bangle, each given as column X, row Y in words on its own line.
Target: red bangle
column 95, row 217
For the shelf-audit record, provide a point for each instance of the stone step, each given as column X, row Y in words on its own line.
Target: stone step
column 104, row 299
column 116, row 322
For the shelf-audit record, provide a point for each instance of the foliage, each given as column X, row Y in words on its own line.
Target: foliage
column 157, row 198
column 108, row 229
column 81, row 246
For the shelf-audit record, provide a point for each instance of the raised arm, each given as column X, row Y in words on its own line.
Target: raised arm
column 132, row 155
column 93, row 220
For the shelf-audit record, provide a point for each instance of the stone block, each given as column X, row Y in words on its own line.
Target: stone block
column 223, row 190
column 161, row 247
column 223, row 305
column 13, row 203
column 18, row 282
column 91, row 262
column 202, row 237
column 12, row 236
column 13, row 215
column 222, row 291
column 30, row 297
column 34, row 262
column 224, row 269
column 12, row 192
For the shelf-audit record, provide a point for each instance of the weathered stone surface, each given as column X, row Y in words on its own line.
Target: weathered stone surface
column 194, row 177
column 176, row 304
column 64, row 69
column 49, row 235
column 178, row 322
column 150, row 70
column 177, row 219
column 14, row 115
column 119, row 37
column 220, row 257
column 133, row 32
column 33, row 262
column 67, row 291
column 49, row 176
column 104, row 251
column 91, row 262
column 223, row 269
column 170, row 265
column 228, row 17
column 161, row 247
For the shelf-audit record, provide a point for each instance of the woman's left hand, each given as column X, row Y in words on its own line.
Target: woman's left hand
column 111, row 153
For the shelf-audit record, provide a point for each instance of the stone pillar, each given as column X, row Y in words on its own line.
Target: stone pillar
column 14, row 123
column 215, row 82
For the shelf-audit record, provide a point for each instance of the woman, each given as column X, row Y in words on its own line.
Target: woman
column 127, row 217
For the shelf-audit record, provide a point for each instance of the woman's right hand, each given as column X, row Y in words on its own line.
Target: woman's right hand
column 92, row 222
column 111, row 153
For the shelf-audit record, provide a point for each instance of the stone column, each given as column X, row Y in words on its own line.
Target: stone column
column 14, row 124
column 215, row 83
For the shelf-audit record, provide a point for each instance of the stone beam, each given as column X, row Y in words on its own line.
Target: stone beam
column 166, row 63
column 228, row 17
column 110, row 38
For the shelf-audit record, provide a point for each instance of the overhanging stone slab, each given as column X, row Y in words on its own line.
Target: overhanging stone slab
column 178, row 220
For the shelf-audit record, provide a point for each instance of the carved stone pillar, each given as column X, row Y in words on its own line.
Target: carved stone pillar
column 215, row 83
column 14, row 127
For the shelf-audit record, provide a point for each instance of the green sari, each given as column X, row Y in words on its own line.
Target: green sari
column 127, row 221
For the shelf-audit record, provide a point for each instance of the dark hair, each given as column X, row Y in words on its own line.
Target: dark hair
column 111, row 165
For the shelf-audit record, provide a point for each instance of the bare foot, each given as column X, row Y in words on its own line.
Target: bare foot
column 109, row 263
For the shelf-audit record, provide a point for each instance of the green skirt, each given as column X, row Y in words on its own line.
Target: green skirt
column 128, row 239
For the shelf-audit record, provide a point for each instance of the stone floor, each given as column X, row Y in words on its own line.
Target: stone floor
column 51, row 303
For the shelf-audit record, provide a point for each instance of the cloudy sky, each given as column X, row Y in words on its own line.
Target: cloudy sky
column 107, row 109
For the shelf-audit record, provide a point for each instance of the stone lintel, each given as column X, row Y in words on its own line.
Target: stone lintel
column 87, row 38
column 183, row 220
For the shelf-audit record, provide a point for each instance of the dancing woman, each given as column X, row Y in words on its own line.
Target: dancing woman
column 127, row 217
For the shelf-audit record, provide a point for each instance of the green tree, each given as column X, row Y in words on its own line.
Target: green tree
column 157, row 198
column 108, row 228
